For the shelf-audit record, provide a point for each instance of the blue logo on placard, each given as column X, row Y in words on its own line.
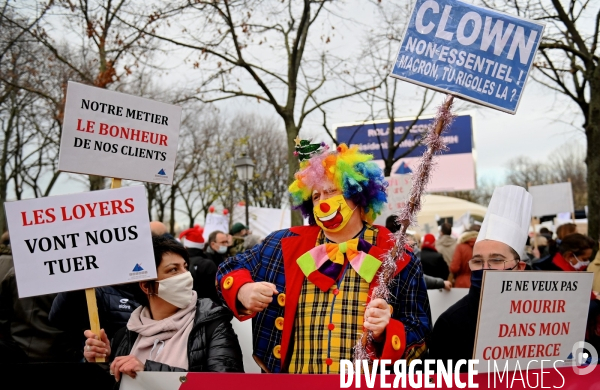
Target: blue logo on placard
column 137, row 268
column 403, row 169
column 162, row 172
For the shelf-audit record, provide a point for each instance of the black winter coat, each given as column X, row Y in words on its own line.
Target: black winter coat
column 216, row 258
column 204, row 272
column 212, row 345
column 26, row 334
column 434, row 264
column 115, row 305
column 454, row 331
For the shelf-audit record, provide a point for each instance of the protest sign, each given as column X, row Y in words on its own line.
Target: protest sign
column 456, row 168
column 113, row 134
column 441, row 300
column 552, row 199
column 72, row 242
column 263, row 220
column 398, row 191
column 473, row 52
column 215, row 222
column 529, row 316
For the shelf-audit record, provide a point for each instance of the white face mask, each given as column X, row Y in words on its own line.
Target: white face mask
column 177, row 290
column 580, row 264
column 222, row 249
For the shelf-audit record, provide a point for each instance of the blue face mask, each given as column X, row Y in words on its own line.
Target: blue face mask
column 476, row 278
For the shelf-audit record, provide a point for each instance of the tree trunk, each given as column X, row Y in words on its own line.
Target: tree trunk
column 51, row 184
column 293, row 165
column 172, row 219
column 592, row 132
column 161, row 211
column 389, row 160
column 3, row 178
column 151, row 197
column 97, row 182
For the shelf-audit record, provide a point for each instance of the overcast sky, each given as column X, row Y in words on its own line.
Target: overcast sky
column 545, row 120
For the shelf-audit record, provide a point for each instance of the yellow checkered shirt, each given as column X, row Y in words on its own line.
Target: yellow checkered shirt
column 314, row 342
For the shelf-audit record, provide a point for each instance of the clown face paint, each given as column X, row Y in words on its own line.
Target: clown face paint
column 332, row 214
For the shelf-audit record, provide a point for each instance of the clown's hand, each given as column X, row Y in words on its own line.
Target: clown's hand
column 363, row 246
column 255, row 297
column 377, row 318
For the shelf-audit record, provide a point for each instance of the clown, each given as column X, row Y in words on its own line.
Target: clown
column 308, row 289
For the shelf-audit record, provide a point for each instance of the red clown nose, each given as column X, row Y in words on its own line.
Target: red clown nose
column 324, row 207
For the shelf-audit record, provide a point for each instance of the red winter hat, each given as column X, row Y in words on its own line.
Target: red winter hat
column 193, row 237
column 429, row 241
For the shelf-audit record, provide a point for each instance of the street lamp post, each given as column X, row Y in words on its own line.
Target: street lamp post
column 245, row 171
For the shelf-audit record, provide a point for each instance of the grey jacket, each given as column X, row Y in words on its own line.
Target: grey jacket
column 433, row 283
column 446, row 246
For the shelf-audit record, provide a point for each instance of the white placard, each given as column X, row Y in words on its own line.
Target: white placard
column 398, row 191
column 148, row 380
column 72, row 242
column 529, row 316
column 263, row 221
column 441, row 300
column 113, row 134
column 215, row 222
column 552, row 199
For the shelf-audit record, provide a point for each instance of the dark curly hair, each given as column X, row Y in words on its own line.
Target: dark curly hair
column 576, row 243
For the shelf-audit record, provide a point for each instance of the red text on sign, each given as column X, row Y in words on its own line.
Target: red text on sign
column 79, row 211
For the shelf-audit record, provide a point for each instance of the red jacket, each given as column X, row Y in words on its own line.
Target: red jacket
column 460, row 265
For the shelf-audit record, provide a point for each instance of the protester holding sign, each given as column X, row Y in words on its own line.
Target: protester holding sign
column 309, row 288
column 574, row 254
column 172, row 330
column 69, row 310
column 501, row 239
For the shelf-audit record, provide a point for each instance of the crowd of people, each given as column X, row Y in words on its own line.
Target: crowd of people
column 445, row 259
column 309, row 290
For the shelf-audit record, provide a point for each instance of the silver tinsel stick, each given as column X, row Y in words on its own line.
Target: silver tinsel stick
column 407, row 216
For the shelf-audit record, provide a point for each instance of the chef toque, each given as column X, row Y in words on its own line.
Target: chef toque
column 508, row 217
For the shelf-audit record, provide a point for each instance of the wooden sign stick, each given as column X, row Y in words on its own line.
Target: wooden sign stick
column 534, row 238
column 572, row 212
column 90, row 295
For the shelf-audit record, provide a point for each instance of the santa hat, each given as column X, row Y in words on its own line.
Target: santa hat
column 429, row 242
column 508, row 217
column 193, row 237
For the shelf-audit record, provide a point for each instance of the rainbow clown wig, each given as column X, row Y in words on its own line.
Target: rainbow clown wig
column 360, row 179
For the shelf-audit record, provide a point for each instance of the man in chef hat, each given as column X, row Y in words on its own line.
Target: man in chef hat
column 500, row 241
